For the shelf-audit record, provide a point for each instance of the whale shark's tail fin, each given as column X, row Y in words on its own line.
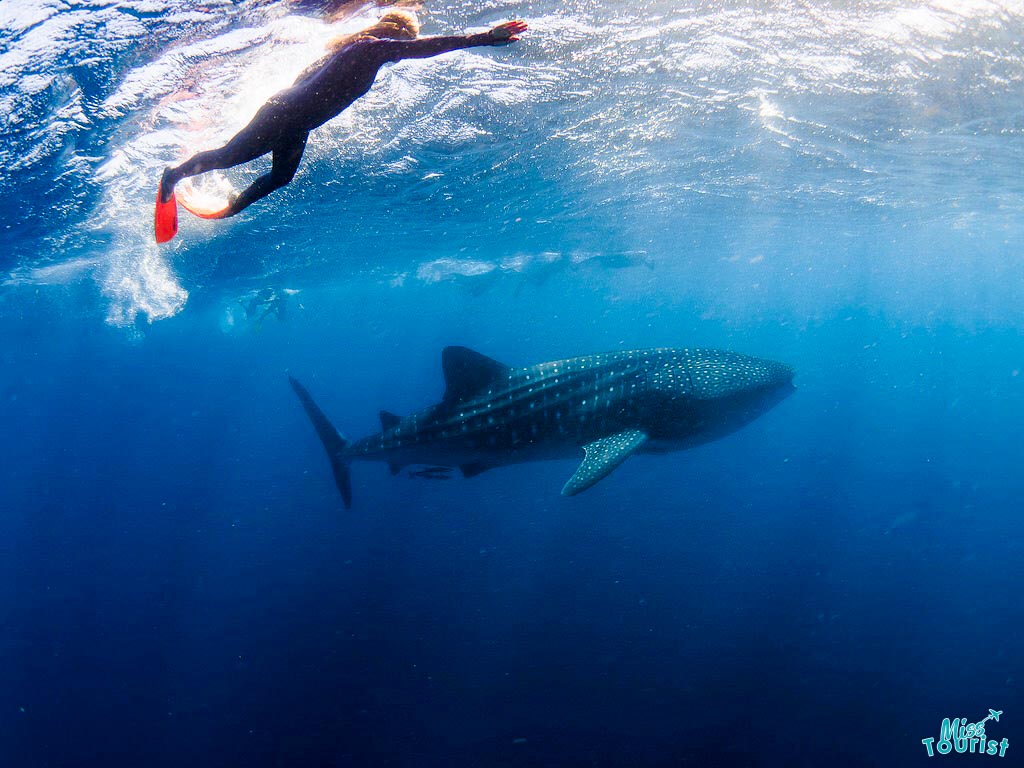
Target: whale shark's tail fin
column 334, row 442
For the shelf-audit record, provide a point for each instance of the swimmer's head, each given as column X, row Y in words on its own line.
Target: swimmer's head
column 396, row 25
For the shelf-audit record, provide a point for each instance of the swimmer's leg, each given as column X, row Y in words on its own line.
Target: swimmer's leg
column 235, row 152
column 286, row 161
column 260, row 136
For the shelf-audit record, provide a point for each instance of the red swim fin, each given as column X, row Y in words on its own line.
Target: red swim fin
column 204, row 213
column 166, row 218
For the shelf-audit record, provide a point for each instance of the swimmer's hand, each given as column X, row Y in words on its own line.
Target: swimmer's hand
column 506, row 33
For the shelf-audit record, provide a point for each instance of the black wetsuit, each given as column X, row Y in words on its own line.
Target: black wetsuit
column 323, row 91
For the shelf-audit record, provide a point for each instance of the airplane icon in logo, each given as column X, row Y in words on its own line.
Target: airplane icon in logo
column 992, row 715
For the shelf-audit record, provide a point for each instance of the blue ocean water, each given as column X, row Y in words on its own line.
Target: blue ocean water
column 836, row 186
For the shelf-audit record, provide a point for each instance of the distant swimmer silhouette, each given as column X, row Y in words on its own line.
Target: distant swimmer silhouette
column 270, row 301
column 323, row 91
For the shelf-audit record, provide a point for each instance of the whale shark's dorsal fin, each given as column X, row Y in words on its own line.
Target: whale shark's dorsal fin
column 467, row 373
column 388, row 420
column 602, row 457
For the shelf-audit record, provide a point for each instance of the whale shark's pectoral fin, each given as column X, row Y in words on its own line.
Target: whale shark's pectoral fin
column 602, row 457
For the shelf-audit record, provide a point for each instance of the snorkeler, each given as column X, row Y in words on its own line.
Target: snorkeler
column 270, row 301
column 324, row 90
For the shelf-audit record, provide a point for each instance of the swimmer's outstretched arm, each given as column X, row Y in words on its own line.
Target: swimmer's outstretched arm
column 425, row 47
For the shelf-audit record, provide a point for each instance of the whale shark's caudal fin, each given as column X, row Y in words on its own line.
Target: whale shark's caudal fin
column 334, row 442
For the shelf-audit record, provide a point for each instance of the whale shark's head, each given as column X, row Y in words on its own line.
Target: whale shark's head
column 709, row 393
column 716, row 375
column 711, row 374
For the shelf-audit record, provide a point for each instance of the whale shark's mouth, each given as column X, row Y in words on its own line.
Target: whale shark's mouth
column 778, row 393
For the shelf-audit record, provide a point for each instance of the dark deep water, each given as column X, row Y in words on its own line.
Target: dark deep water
column 838, row 189
column 181, row 586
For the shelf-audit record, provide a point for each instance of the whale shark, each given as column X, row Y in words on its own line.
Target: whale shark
column 607, row 406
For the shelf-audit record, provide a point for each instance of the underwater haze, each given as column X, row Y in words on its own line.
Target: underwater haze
column 837, row 186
